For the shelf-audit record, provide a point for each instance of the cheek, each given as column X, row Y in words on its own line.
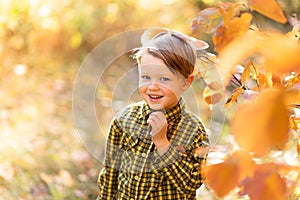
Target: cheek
column 175, row 92
column 172, row 89
column 142, row 88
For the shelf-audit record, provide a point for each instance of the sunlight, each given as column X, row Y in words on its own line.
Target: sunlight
column 20, row 69
column 112, row 12
column 167, row 2
column 44, row 11
column 166, row 19
column 148, row 4
column 51, row 24
column 33, row 3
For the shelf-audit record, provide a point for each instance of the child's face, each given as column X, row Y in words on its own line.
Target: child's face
column 158, row 86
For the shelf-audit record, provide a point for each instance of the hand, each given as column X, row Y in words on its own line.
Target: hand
column 159, row 124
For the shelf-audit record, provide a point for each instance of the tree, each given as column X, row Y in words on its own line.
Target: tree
column 262, row 68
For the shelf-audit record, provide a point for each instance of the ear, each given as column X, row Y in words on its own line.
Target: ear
column 189, row 80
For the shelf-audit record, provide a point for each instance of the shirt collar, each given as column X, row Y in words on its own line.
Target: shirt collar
column 172, row 114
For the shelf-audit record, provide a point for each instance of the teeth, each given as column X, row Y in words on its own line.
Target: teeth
column 154, row 96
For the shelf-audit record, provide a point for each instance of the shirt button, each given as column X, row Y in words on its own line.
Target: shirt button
column 143, row 154
column 136, row 177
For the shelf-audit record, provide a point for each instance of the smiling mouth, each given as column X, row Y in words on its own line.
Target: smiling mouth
column 155, row 96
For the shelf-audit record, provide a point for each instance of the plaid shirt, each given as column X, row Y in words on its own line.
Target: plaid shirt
column 134, row 170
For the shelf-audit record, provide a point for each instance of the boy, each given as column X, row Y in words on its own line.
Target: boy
column 155, row 148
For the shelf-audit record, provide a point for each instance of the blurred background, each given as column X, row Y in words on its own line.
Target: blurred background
column 42, row 46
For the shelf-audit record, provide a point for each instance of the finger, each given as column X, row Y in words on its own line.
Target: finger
column 158, row 116
column 153, row 121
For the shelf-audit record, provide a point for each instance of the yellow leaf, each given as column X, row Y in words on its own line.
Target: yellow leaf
column 295, row 122
column 225, row 176
column 294, row 34
column 264, row 79
column 76, row 40
column 234, row 96
column 246, row 73
column 266, row 121
column 292, row 80
column 269, row 8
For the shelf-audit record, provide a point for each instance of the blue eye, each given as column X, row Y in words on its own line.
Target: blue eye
column 145, row 77
column 164, row 79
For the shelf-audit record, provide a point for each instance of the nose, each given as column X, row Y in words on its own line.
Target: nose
column 153, row 86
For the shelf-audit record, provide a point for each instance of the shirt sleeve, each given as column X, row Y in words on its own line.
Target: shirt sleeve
column 183, row 168
column 108, row 176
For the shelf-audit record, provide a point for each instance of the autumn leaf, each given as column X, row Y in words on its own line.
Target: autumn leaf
column 281, row 54
column 269, row 8
column 291, row 80
column 298, row 147
column 207, row 21
column 294, row 34
column 212, row 78
column 266, row 184
column 276, row 81
column 292, row 96
column 233, row 98
column 214, row 90
column 264, row 122
column 294, row 122
column 278, row 53
column 211, row 96
column 231, row 29
column 247, row 72
column 264, row 79
column 225, row 176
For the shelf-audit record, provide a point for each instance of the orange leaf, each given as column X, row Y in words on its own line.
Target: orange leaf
column 278, row 53
column 292, row 96
column 225, row 176
column 266, row 184
column 281, row 54
column 262, row 126
column 211, row 96
column 269, row 8
column 246, row 73
column 264, row 79
column 298, row 147
column 234, row 96
column 231, row 30
column 276, row 81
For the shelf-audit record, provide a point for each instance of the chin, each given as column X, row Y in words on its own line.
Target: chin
column 156, row 106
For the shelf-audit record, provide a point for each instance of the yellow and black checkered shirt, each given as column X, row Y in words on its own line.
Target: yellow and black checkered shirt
column 134, row 170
